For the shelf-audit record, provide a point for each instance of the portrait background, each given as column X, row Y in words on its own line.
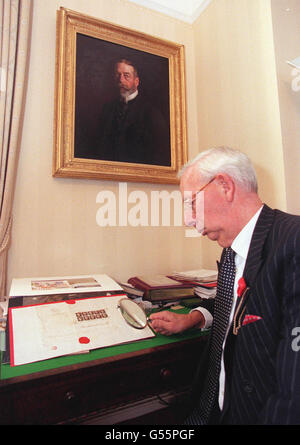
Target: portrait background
column 95, row 85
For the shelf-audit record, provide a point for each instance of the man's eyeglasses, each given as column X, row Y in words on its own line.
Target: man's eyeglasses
column 200, row 190
column 189, row 207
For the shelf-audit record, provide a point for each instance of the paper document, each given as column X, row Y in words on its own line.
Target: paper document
column 50, row 330
column 62, row 285
column 205, row 292
column 201, row 275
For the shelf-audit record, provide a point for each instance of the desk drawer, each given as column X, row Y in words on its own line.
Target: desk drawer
column 70, row 395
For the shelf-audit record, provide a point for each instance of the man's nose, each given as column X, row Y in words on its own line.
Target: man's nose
column 189, row 217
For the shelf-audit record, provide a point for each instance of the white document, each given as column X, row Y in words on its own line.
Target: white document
column 50, row 330
column 204, row 275
column 62, row 285
column 205, row 292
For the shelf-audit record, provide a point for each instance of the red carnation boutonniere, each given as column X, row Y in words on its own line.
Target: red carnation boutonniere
column 241, row 306
column 241, row 286
column 239, row 319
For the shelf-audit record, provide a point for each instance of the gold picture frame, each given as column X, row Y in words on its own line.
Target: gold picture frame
column 86, row 46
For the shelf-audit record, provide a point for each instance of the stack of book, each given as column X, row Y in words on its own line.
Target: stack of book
column 205, row 292
column 160, row 288
column 131, row 291
column 203, row 280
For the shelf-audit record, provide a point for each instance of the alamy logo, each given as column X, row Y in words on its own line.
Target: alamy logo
column 296, row 80
column 296, row 340
column 135, row 209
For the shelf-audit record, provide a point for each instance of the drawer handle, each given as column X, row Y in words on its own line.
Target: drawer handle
column 69, row 396
column 165, row 373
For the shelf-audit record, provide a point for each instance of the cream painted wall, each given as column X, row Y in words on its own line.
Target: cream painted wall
column 55, row 230
column 232, row 100
column 237, row 94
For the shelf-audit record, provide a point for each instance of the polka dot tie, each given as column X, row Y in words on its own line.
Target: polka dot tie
column 222, row 309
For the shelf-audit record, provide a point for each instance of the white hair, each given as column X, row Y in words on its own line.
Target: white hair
column 225, row 160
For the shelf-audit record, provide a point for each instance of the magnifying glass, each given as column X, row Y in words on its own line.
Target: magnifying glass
column 132, row 313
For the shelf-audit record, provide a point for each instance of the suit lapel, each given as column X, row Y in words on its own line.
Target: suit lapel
column 255, row 254
column 254, row 263
column 252, row 267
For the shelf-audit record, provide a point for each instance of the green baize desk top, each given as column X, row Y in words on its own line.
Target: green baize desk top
column 8, row 371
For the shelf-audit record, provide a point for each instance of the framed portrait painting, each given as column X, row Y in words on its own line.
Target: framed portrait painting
column 119, row 103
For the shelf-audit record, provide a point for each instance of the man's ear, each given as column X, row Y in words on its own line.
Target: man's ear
column 227, row 185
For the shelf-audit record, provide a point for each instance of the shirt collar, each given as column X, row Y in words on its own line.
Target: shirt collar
column 130, row 96
column 242, row 241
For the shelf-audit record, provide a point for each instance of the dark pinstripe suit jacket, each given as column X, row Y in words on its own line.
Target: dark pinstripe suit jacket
column 262, row 367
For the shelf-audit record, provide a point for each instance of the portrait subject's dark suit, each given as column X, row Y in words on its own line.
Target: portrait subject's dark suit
column 135, row 132
column 262, row 367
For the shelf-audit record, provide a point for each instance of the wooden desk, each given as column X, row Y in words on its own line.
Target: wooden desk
column 107, row 386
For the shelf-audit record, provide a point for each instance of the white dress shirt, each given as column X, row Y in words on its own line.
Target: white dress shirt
column 128, row 97
column 240, row 245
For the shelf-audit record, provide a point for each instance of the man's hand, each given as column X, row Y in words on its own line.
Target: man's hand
column 168, row 323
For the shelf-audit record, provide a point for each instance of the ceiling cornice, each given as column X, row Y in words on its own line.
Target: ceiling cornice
column 178, row 10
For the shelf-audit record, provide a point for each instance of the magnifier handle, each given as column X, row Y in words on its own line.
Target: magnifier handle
column 136, row 318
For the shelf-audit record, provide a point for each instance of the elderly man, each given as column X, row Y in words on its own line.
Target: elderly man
column 253, row 370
